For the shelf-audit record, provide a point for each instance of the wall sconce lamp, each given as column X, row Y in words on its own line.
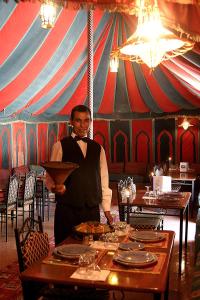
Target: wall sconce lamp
column 185, row 124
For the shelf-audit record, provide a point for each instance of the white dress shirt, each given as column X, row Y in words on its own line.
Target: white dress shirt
column 56, row 155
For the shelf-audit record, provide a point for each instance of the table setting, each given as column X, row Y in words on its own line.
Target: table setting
column 95, row 259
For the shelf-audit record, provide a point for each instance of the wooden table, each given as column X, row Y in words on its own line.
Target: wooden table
column 185, row 179
column 181, row 205
column 151, row 280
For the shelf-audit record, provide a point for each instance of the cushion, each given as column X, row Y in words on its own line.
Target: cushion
column 138, row 168
column 116, row 168
column 35, row 248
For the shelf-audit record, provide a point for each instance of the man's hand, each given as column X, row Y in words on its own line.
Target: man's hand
column 58, row 189
column 108, row 217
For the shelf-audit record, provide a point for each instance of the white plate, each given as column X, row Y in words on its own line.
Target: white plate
column 131, row 246
column 147, row 236
column 72, row 250
column 135, row 258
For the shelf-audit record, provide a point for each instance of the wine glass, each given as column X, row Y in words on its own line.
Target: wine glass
column 147, row 189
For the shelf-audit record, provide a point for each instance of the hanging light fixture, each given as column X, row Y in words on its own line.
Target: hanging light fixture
column 151, row 43
column 48, row 14
column 185, row 124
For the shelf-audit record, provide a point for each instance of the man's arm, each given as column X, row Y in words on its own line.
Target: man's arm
column 106, row 191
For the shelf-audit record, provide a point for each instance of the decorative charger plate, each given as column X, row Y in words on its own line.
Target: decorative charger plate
column 72, row 251
column 135, row 258
column 131, row 246
column 147, row 236
column 93, row 228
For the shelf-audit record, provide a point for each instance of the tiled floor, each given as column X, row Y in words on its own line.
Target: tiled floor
column 179, row 286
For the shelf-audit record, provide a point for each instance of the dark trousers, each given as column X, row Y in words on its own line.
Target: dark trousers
column 66, row 217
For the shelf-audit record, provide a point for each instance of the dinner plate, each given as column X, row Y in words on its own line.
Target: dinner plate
column 147, row 236
column 131, row 246
column 135, row 258
column 72, row 250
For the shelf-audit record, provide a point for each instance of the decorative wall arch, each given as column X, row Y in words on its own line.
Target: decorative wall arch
column 31, row 144
column 125, row 146
column 164, row 133
column 139, row 135
column 20, row 148
column 187, row 147
column 42, row 142
column 100, row 138
column 5, row 146
column 52, row 138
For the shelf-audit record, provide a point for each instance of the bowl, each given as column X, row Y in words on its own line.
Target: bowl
column 59, row 171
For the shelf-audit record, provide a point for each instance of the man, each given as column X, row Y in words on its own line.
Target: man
column 79, row 198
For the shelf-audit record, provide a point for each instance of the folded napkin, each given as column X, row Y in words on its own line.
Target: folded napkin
column 104, row 245
column 149, row 197
column 94, row 275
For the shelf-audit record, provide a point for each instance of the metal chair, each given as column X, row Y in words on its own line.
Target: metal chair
column 26, row 196
column 9, row 204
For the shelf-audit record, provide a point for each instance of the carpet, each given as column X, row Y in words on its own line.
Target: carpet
column 10, row 284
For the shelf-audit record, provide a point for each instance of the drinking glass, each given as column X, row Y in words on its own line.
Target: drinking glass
column 86, row 263
column 147, row 189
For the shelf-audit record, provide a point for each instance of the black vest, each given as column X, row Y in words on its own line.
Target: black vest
column 83, row 186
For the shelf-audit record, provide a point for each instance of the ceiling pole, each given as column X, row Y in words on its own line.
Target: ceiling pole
column 90, row 68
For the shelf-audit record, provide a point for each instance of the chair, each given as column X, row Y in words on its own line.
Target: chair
column 137, row 219
column 26, row 195
column 33, row 245
column 9, row 204
column 42, row 197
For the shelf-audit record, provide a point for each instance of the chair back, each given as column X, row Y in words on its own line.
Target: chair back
column 31, row 242
column 39, row 170
column 13, row 190
column 29, row 188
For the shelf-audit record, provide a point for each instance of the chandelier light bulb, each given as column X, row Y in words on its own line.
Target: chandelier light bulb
column 48, row 14
column 114, row 64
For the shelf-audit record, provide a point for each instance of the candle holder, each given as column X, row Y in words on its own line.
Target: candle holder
column 128, row 206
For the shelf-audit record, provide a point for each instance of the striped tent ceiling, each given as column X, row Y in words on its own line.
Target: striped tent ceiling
column 43, row 72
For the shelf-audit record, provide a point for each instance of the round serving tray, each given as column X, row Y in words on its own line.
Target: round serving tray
column 92, row 227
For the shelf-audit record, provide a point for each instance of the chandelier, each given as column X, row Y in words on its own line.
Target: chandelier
column 48, row 14
column 151, row 43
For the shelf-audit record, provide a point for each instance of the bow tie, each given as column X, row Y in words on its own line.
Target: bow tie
column 84, row 139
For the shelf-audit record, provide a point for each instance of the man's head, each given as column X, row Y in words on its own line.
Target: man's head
column 80, row 120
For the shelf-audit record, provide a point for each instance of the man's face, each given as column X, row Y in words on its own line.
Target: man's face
column 81, row 123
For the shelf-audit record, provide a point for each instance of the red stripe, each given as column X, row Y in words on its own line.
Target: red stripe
column 81, row 92
column 177, row 85
column 158, row 94
column 189, row 66
column 71, row 59
column 16, row 26
column 41, row 58
column 106, row 106
column 186, row 74
column 136, row 102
